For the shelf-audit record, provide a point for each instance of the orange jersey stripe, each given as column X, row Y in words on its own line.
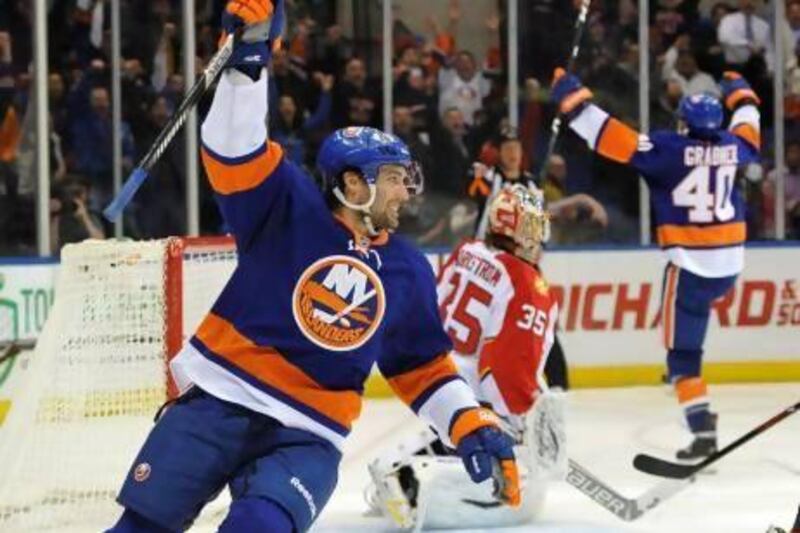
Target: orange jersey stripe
column 273, row 369
column 690, row 389
column 618, row 141
column 668, row 309
column 749, row 134
column 738, row 95
column 228, row 178
column 719, row 235
column 409, row 385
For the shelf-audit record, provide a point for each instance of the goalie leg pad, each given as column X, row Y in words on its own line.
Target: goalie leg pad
column 435, row 492
column 545, row 437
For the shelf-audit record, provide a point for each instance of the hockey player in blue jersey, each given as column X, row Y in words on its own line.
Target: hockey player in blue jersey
column 698, row 212
column 271, row 381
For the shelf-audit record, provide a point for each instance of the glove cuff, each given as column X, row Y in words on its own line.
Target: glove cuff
column 468, row 420
column 574, row 102
column 741, row 97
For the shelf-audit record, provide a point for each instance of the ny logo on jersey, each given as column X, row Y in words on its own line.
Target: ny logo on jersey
column 338, row 303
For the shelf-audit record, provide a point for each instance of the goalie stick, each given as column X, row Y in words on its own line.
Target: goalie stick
column 659, row 467
column 142, row 170
column 627, row 509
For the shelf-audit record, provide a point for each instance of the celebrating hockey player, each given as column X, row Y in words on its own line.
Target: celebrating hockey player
column 698, row 212
column 500, row 314
column 271, row 381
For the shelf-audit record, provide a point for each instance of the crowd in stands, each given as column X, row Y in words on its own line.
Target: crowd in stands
column 449, row 105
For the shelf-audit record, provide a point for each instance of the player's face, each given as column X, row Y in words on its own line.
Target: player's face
column 390, row 196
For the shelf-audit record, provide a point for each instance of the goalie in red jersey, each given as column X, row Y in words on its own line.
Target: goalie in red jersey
column 500, row 314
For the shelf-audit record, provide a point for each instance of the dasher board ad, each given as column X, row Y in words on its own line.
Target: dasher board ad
column 26, row 296
column 610, row 307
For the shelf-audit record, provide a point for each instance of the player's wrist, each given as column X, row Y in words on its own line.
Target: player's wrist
column 467, row 421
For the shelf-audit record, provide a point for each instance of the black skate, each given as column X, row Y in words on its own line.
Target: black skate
column 704, row 443
column 699, row 449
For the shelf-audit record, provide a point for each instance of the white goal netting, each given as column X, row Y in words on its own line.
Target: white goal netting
column 99, row 375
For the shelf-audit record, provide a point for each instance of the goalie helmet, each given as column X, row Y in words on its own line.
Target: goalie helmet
column 518, row 214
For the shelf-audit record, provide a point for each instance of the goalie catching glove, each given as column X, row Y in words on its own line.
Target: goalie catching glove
column 487, row 452
column 261, row 22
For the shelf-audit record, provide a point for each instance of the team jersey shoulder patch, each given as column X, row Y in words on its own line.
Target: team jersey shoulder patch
column 338, row 303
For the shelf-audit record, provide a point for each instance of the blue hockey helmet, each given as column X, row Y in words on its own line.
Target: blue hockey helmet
column 365, row 150
column 702, row 112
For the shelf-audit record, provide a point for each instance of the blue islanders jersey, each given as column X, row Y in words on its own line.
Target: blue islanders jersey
column 312, row 305
column 698, row 209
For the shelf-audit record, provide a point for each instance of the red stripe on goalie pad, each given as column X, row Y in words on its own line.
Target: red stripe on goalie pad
column 270, row 367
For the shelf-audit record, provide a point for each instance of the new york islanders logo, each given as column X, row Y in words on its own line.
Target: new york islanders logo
column 338, row 303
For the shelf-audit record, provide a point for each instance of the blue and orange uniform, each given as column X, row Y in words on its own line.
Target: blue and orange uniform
column 698, row 209
column 272, row 380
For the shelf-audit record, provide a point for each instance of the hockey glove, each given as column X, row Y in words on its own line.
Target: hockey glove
column 261, row 22
column 568, row 93
column 736, row 92
column 487, row 452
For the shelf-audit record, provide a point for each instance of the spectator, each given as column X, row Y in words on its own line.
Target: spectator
column 403, row 127
column 463, row 87
column 71, row 220
column 292, row 127
column 745, row 36
column 793, row 17
column 356, row 102
column 452, row 155
column 289, row 79
column 160, row 204
column 705, row 45
column 691, row 79
column 791, row 197
column 487, row 182
column 664, row 115
column 91, row 136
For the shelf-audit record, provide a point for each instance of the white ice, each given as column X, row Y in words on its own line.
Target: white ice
column 753, row 487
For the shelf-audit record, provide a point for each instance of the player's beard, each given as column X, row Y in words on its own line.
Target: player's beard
column 387, row 216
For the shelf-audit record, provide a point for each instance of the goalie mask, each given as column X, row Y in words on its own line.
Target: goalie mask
column 517, row 214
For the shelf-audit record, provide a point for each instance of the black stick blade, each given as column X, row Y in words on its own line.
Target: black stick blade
column 659, row 467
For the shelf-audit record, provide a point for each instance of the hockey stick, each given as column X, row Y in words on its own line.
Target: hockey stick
column 627, row 509
column 555, row 126
column 7, row 352
column 659, row 467
column 141, row 172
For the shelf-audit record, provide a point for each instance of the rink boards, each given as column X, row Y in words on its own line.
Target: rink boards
column 609, row 320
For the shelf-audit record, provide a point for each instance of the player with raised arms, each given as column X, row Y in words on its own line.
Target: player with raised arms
column 698, row 211
column 271, row 381
column 500, row 314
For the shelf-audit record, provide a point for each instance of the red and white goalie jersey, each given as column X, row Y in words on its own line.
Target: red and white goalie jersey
column 501, row 316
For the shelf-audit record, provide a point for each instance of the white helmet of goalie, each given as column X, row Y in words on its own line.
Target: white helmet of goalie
column 518, row 221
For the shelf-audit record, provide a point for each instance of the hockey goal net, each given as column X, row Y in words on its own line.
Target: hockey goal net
column 99, row 374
